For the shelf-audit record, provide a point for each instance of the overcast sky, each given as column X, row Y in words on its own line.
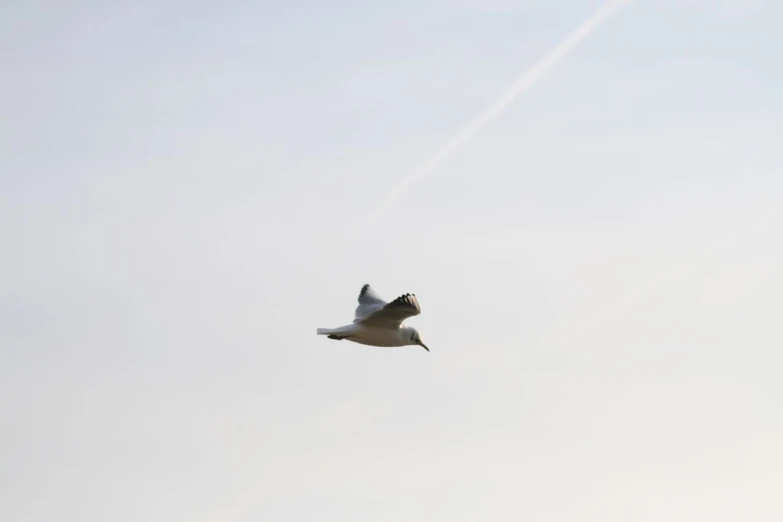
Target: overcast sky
column 599, row 268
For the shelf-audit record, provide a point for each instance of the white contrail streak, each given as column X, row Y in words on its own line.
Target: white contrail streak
column 498, row 106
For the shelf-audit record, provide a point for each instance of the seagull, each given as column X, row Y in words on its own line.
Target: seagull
column 378, row 323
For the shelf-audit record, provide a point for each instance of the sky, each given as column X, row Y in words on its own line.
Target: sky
column 597, row 267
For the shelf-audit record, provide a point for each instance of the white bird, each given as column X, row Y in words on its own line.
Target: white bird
column 378, row 323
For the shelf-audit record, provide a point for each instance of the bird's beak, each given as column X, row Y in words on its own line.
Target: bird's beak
column 423, row 346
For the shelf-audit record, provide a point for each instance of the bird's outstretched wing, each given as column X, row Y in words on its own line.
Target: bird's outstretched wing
column 369, row 301
column 392, row 314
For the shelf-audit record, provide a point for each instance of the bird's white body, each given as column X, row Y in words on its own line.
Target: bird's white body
column 371, row 335
column 378, row 323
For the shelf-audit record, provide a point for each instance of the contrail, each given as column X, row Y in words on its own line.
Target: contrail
column 498, row 106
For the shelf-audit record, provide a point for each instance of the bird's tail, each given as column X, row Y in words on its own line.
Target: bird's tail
column 324, row 331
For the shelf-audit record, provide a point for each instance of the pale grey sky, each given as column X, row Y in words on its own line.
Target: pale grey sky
column 598, row 268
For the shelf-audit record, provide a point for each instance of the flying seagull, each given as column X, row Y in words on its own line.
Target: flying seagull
column 378, row 323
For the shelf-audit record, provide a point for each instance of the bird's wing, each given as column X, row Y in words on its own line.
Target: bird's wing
column 392, row 314
column 369, row 301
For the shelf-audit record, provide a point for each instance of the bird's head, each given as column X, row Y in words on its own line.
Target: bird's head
column 415, row 338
